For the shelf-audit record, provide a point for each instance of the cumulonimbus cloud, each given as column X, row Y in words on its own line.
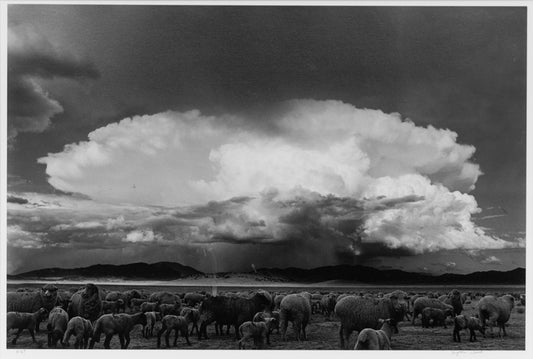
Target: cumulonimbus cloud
column 322, row 172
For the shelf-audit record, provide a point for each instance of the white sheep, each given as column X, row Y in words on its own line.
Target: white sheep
column 121, row 324
column 21, row 321
column 259, row 331
column 495, row 311
column 151, row 319
column 149, row 307
column 193, row 318
column 471, row 323
column 297, row 309
column 372, row 339
column 178, row 324
column 82, row 329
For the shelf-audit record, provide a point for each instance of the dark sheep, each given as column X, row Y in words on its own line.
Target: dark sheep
column 86, row 303
column 230, row 311
column 21, row 321
column 192, row 299
column 57, row 325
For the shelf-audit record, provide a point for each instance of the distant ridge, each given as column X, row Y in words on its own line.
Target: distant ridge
column 346, row 273
column 159, row 270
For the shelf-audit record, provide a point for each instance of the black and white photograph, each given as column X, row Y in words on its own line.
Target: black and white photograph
column 264, row 176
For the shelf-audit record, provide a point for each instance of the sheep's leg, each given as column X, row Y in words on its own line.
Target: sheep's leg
column 159, row 336
column 185, row 333
column 121, row 338
column 284, row 326
column 37, row 323
column 341, row 336
column 456, row 336
column 303, row 332
column 167, row 335
column 346, row 333
column 127, row 336
column 472, row 335
column 504, row 332
column 32, row 334
column 14, row 341
column 78, row 343
column 107, row 341
column 176, row 334
column 49, row 340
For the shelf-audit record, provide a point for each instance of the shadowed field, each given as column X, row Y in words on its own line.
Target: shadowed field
column 323, row 333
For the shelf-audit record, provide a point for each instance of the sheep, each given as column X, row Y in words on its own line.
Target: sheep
column 277, row 300
column 175, row 323
column 357, row 313
column 112, row 306
column 82, row 329
column 297, row 309
column 151, row 319
column 470, row 323
column 149, row 307
column 327, row 304
column 121, row 324
column 86, row 303
column 135, row 303
column 57, row 325
column 30, row 302
column 173, row 309
column 437, row 316
column 263, row 316
column 423, row 302
column 231, row 311
column 164, row 298
column 125, row 296
column 372, row 339
column 63, row 299
column 22, row 320
column 455, row 299
column 192, row 299
column 259, row 331
column 495, row 310
column 194, row 317
column 523, row 299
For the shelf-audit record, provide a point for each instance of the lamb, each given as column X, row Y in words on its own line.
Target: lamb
column 21, row 321
column 297, row 309
column 496, row 311
column 175, row 323
column 436, row 316
column 135, row 303
column 121, row 324
column 371, row 339
column 112, row 306
column 86, row 303
column 151, row 319
column 30, row 302
column 470, row 323
column 63, row 299
column 149, row 307
column 455, row 299
column 173, row 309
column 263, row 316
column 259, row 331
column 192, row 299
column 82, row 329
column 357, row 313
column 423, row 302
column 57, row 325
column 194, row 317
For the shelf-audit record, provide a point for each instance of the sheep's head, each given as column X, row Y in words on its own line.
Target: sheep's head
column 89, row 291
column 42, row 313
column 49, row 292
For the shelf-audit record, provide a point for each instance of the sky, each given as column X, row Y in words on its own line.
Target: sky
column 225, row 137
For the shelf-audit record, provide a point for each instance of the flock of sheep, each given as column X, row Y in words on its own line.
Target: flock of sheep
column 88, row 312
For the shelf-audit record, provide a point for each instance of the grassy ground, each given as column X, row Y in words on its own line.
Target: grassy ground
column 323, row 334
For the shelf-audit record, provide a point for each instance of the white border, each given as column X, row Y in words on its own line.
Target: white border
column 27, row 353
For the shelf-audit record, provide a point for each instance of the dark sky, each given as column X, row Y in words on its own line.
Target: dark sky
column 462, row 69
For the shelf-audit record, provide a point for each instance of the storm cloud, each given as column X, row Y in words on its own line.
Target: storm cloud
column 32, row 58
column 320, row 177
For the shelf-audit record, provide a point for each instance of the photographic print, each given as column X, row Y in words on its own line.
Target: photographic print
column 258, row 176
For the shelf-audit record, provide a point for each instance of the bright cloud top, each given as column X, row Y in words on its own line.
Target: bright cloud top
column 358, row 179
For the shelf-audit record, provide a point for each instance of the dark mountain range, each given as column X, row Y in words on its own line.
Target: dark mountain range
column 344, row 273
column 155, row 271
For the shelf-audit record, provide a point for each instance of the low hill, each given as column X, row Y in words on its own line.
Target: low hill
column 343, row 273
